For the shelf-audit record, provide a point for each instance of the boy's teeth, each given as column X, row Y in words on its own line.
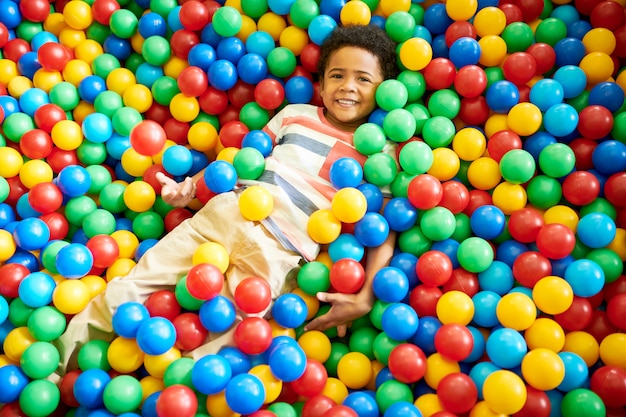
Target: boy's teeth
column 346, row 101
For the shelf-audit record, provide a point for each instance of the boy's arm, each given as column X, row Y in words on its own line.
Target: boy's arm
column 178, row 194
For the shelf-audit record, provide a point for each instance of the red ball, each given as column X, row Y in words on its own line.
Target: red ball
column 595, row 122
column 149, row 176
column 105, row 250
column 423, row 299
column 607, row 14
column 583, row 151
column 231, row 114
column 531, row 9
column 176, row 130
column 501, row 142
column 16, row 48
column 58, row 225
column 512, row 12
column 190, row 333
column 457, row 30
column 148, row 138
column 600, row 326
column 36, row 144
column 407, row 363
column 232, row 134
column 340, row 411
column 425, row 191
column 192, row 81
column 616, row 311
column 204, row 281
column 439, row 74
column 241, row 94
column 10, row 277
column 159, row 113
column 519, row 67
column 312, row 381
column 524, row 224
column 615, row 189
column 614, row 288
column 253, row 335
column 163, row 303
column 66, row 388
column 175, row 217
column 253, row 295
column 59, row 159
column 347, row 276
column 45, row 197
column 544, row 55
column 470, row 81
column 309, row 56
column 203, row 193
column 620, row 42
column 477, row 198
column 537, row 404
column 177, row 400
column 182, row 41
column 316, row 406
column 462, row 280
column 454, row 342
column 434, row 268
column 529, row 267
column 35, row 10
column 609, row 382
column 555, row 240
column 269, row 94
column 4, row 38
column 455, row 196
column 457, row 393
column 585, row 6
column 474, row 111
column 48, row 115
column 193, row 15
column 53, row 56
column 213, row 101
column 581, row 188
column 16, row 190
column 103, row 9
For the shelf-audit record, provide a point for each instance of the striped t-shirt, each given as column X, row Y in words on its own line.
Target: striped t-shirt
column 297, row 172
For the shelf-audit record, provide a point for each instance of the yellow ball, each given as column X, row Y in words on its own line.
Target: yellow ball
column 461, row 10
column 95, row 284
column 77, row 14
column 18, row 85
column 446, row 164
column 294, row 39
column 67, row 135
column 256, row 203
column 387, row 7
column 71, row 296
column 416, row 53
column 553, row 295
column 8, row 70
column 278, row 330
column 71, row 37
column 335, row 390
column 227, row 154
column 612, row 350
column 484, row 173
column 354, row 369
column 119, row 79
column 618, row 245
column 88, row 50
column 11, row 162
column 516, row 311
column 136, row 42
column 7, row 245
column 135, row 163
column 509, row 197
column 150, row 385
column 120, row 268
column 493, row 50
column 428, row 404
column 543, row 369
column 156, row 365
column 54, row 23
column 504, row 392
column 248, row 27
column 16, row 342
column 184, row 108
column 481, row 409
column 218, row 407
column 561, row 214
column 597, row 66
column 124, row 355
column 355, row 12
column 139, row 196
column 469, row 144
column 489, row 21
column 584, row 345
column 43, row 78
column 139, row 97
column 495, row 123
column 316, row 345
column 272, row 24
column 157, row 158
column 75, row 71
column 437, row 368
column 202, row 136
column 455, row 307
column 312, row 303
column 323, row 226
column 34, row 172
column 127, row 241
column 273, row 386
column 349, row 205
column 212, row 253
column 545, row 333
column 174, row 66
column 82, row 110
column 524, row 119
column 599, row 40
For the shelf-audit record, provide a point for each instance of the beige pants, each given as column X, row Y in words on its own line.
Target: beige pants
column 252, row 249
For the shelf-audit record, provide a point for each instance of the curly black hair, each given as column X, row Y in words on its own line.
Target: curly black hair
column 368, row 37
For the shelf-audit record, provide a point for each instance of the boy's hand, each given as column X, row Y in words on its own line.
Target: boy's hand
column 344, row 309
column 176, row 194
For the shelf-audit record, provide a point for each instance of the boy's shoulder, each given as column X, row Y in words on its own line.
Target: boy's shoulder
column 300, row 109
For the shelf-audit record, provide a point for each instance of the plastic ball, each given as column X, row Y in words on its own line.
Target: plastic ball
column 372, row 230
column 122, row 394
column 177, row 399
column 504, row 392
column 323, row 226
column 212, row 253
column 553, row 295
column 415, row 54
column 210, row 374
column 582, row 400
column 156, row 335
column 516, row 311
column 245, row 393
column 252, row 295
column 39, row 360
column 71, row 296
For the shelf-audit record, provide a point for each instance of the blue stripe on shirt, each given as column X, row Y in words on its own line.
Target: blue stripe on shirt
column 307, row 143
column 300, row 200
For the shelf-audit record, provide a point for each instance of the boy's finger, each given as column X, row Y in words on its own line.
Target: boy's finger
column 161, row 178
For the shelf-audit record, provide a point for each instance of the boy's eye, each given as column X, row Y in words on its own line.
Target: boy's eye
column 364, row 79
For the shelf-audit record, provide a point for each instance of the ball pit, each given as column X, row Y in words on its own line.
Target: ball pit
column 506, row 295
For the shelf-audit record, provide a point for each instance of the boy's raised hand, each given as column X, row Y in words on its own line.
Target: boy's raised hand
column 344, row 309
column 176, row 194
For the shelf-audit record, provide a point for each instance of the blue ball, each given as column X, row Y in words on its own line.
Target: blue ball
column 258, row 140
column 260, row 43
column 220, row 176
column 576, row 372
column 41, row 38
column 372, row 230
column 148, row 407
column 569, row 51
column 479, row 374
column 406, row 262
column 128, row 317
column 97, row 127
column 424, row 337
column 586, row 277
column 299, row 90
column 32, row 99
column 4, row 309
column 73, row 181
column 173, row 19
column 210, row 374
column 560, row 265
column 89, row 387
column 578, row 29
column 346, row 172
column 13, row 381
column 332, row 8
column 210, row 36
column 280, row 7
column 373, row 196
column 156, row 335
column 7, row 215
column 24, row 208
column 440, row 46
column 402, row 408
column 545, row 93
column 485, row 303
column 152, row 24
column 117, row 145
column 231, row 49
column 245, row 394
column 9, row 105
column 346, row 246
column 436, row 19
column 423, row 33
column 498, row 277
column 400, row 321
column 31, row 234
column 464, row 51
column 596, row 230
column 287, row 361
column 488, row 221
column 118, row 47
column 566, row 13
column 28, row 64
column 560, row 120
column 10, row 14
column 36, row 289
column 202, row 56
column 143, row 247
column 25, row 258
column 217, row 314
column 252, row 68
column 573, row 80
column 400, row 214
column 289, row 310
column 502, row 96
column 222, row 74
column 363, row 403
column 239, row 361
column 536, row 143
column 506, row 347
column 450, row 247
column 146, row 74
column 607, row 94
column 479, row 346
column 320, row 27
column 74, row 261
column 609, row 157
column 90, row 87
column 177, row 160
column 390, row 284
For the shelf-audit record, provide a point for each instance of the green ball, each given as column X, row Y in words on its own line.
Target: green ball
column 254, row 116
column 415, row 84
column 399, row 125
column 99, row 222
column 249, row 163
column 125, row 119
column 134, row 61
column 517, row 166
column 283, row 409
column 227, row 21
column 93, row 355
column 337, row 351
column 362, row 340
column 49, row 253
column 475, row 254
column 108, row 103
column 369, row 138
column 417, row 11
column 400, row 184
column 438, row 132
column 581, row 402
column 302, row 12
column 580, row 101
column 103, row 64
column 77, row 208
column 39, row 398
column 281, row 62
column 518, row 36
column 156, row 50
column 380, row 169
column 557, row 160
column 609, row 261
column 46, row 323
column 186, row 300
column 148, row 225
column 463, row 228
column 391, row 94
column 16, row 124
column 493, row 74
column 619, row 127
column 550, row 31
column 163, row 7
column 112, row 197
column 164, row 89
column 179, row 373
column 27, row 30
column 100, row 177
column 600, row 205
column 383, row 345
column 416, row 157
column 98, row 32
column 313, row 277
column 400, row 26
column 420, row 114
column 544, row 192
column 19, row 313
column 446, row 103
column 391, row 392
column 123, row 23
column 414, row 241
column 438, row 223
column 376, row 314
column 39, row 360
column 91, row 153
column 161, row 207
column 254, row 9
column 4, row 189
column 123, row 394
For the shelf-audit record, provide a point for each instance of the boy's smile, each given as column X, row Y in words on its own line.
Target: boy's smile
column 348, row 87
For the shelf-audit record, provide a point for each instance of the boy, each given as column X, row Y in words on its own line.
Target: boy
column 354, row 60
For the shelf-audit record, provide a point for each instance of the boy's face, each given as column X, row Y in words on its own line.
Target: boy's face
column 348, row 87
